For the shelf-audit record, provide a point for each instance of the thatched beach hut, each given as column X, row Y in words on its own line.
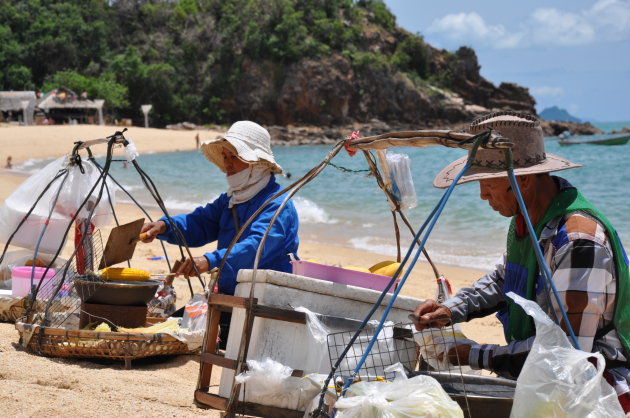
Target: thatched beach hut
column 17, row 106
column 64, row 106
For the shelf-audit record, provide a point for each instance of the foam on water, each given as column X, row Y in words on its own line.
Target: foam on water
column 310, row 213
column 371, row 244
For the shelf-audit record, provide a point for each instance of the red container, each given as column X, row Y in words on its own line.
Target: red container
column 344, row 276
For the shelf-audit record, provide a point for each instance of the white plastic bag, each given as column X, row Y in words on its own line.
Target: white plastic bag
column 61, row 201
column 557, row 380
column 195, row 315
column 267, row 382
column 192, row 325
column 77, row 188
column 435, row 343
column 420, row 396
column 401, row 180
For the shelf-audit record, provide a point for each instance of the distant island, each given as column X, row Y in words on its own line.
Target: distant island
column 557, row 114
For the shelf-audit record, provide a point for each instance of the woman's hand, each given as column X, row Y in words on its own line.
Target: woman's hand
column 187, row 270
column 150, row 230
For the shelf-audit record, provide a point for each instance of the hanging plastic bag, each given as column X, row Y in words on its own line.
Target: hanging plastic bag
column 195, row 314
column 57, row 205
column 557, row 380
column 192, row 325
column 420, row 396
column 77, row 189
column 401, row 180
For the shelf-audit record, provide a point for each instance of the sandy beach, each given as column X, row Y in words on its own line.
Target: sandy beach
column 40, row 386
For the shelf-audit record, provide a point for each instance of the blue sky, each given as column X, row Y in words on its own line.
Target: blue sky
column 572, row 54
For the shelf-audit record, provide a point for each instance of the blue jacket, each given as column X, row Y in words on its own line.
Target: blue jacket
column 215, row 222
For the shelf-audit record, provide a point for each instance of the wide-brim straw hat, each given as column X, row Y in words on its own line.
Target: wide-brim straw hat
column 528, row 153
column 248, row 140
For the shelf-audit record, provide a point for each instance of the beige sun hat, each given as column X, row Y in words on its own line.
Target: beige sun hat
column 250, row 142
column 528, row 152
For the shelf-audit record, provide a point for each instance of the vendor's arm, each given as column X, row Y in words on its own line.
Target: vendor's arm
column 243, row 253
column 582, row 273
column 199, row 227
column 483, row 298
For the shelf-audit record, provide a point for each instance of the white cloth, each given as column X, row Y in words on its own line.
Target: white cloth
column 247, row 183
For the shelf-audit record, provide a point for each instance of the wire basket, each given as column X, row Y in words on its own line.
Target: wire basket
column 58, row 304
column 394, row 344
column 420, row 353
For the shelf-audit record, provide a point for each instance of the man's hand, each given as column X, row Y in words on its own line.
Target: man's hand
column 431, row 314
column 187, row 270
column 459, row 355
column 152, row 229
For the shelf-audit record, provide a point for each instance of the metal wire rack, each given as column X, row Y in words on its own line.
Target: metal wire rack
column 420, row 353
column 58, row 302
column 394, row 344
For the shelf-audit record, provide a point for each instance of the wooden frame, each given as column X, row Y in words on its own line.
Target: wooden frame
column 203, row 398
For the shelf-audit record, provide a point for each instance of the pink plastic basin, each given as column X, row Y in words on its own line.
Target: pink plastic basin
column 341, row 275
column 21, row 280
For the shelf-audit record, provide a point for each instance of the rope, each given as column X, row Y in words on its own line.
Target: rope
column 347, row 170
column 168, row 262
column 178, row 234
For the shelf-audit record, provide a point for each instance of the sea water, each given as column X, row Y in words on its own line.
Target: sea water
column 344, row 206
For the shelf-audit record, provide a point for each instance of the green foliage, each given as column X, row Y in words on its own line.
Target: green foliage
column 102, row 87
column 411, row 56
column 185, row 57
column 445, row 77
column 364, row 62
column 14, row 75
column 382, row 15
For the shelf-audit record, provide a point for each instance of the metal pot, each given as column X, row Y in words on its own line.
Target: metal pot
column 115, row 292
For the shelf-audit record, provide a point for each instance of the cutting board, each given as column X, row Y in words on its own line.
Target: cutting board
column 121, row 243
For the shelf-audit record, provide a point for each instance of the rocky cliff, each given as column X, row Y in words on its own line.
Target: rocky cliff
column 336, row 90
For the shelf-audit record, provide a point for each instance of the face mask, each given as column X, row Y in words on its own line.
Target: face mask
column 246, row 184
column 239, row 180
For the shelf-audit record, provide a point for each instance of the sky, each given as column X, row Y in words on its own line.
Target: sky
column 574, row 54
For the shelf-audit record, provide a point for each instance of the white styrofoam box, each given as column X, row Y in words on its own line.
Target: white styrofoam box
column 289, row 343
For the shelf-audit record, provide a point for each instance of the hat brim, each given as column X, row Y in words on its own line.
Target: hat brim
column 212, row 150
column 476, row 173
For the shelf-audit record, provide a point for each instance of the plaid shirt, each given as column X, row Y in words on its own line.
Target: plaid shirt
column 581, row 262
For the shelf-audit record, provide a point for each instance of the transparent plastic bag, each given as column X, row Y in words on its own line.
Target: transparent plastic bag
column 55, row 208
column 420, row 396
column 435, row 343
column 76, row 190
column 401, row 180
column 557, row 380
column 195, row 314
column 269, row 382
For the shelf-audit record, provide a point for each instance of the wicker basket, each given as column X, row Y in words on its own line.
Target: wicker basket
column 59, row 342
column 12, row 309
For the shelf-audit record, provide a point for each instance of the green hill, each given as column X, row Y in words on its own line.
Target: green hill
column 279, row 62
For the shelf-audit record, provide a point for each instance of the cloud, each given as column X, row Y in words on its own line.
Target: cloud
column 552, row 27
column 470, row 28
column 547, row 91
column 605, row 21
